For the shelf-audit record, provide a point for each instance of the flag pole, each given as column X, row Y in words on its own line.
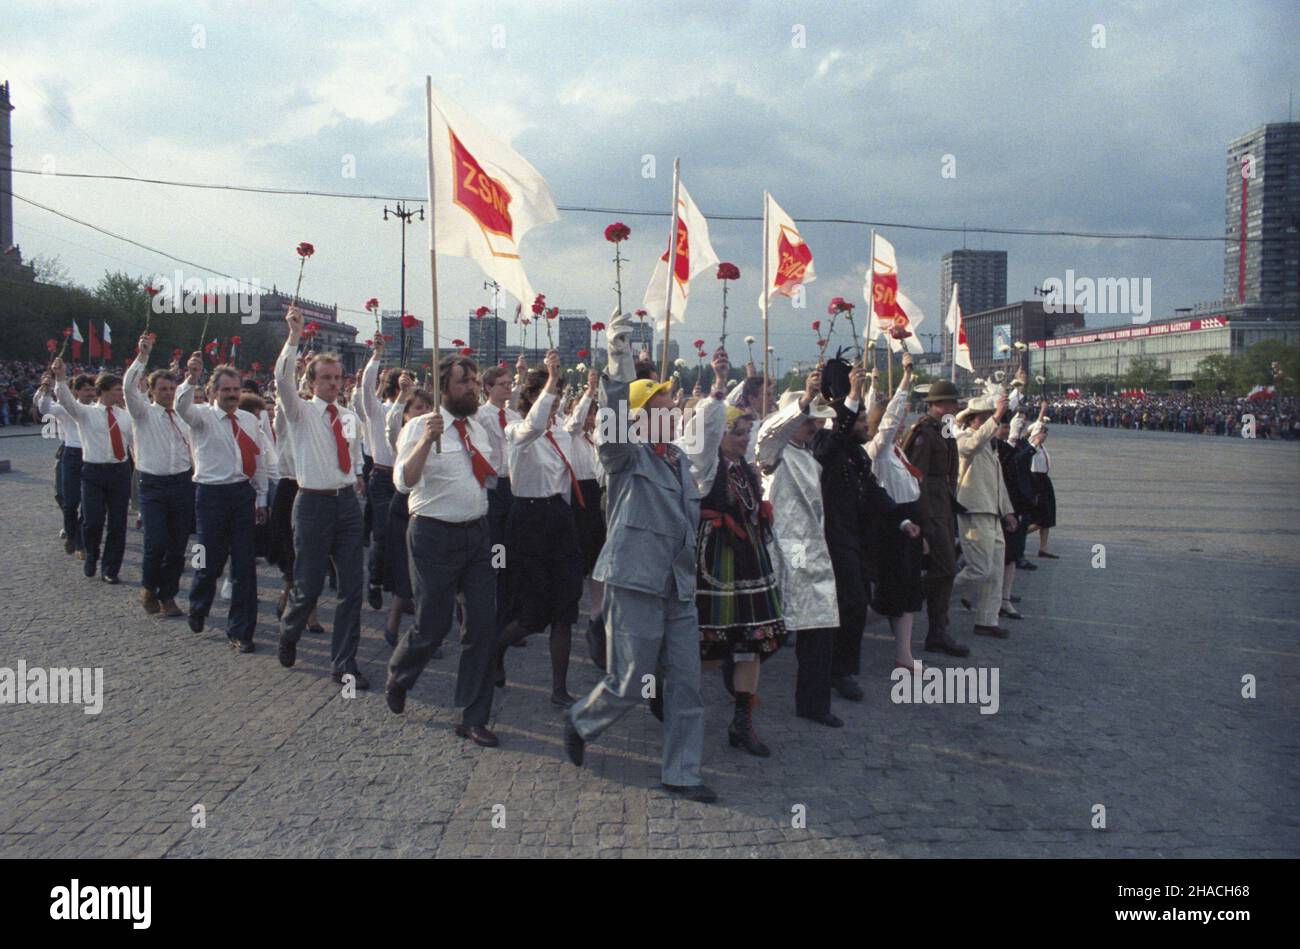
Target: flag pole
column 956, row 331
column 436, row 380
column 868, row 331
column 672, row 274
column 767, row 285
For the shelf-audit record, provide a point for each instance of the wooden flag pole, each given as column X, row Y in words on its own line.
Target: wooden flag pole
column 868, row 331
column 672, row 274
column 956, row 332
column 767, row 286
column 435, row 366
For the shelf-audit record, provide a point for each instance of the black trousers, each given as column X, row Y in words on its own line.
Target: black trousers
column 105, row 495
column 815, row 650
column 447, row 557
column 167, row 507
column 853, row 591
column 70, row 484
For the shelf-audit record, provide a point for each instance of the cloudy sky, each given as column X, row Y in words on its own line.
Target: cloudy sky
column 1046, row 130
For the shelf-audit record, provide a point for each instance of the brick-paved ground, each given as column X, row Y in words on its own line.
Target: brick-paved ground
column 1122, row 687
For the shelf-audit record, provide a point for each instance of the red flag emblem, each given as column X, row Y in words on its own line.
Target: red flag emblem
column 793, row 263
column 682, row 268
column 483, row 197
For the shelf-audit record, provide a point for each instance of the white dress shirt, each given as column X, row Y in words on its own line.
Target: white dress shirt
column 447, row 489
column 284, row 445
column 270, row 445
column 537, row 470
column 887, row 461
column 374, row 416
column 1041, row 463
column 315, row 450
column 489, row 416
column 582, row 453
column 46, row 405
column 162, row 439
column 217, row 458
column 91, row 422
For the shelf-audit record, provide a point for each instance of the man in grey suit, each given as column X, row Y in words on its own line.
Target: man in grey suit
column 648, row 561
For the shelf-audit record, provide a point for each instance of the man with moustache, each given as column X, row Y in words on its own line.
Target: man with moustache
column 162, row 455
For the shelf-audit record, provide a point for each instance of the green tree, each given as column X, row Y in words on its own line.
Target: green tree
column 1217, row 373
column 1147, row 373
column 1257, row 366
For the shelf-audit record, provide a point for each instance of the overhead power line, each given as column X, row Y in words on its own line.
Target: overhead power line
column 632, row 212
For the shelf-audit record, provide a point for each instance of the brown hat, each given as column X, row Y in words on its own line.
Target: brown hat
column 942, row 391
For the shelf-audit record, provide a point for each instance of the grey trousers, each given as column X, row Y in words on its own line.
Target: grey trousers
column 644, row 631
column 325, row 528
column 444, row 558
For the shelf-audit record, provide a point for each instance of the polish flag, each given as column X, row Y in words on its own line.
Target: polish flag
column 790, row 258
column 955, row 326
column 76, row 342
column 694, row 254
column 108, row 338
column 889, row 304
column 485, row 196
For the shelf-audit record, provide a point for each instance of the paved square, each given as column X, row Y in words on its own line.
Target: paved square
column 1122, row 687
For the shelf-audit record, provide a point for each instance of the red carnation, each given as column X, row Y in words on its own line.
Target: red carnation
column 369, row 343
column 305, row 249
column 699, row 344
column 458, row 342
column 839, row 305
column 388, row 337
column 257, row 367
column 51, row 345
column 642, row 313
column 538, row 308
column 235, row 341
column 702, row 354
column 151, row 290
column 553, row 312
column 177, row 353
column 728, row 272
column 584, row 353
column 408, row 322
column 467, row 351
column 597, row 327
column 898, row 332
column 481, row 312
column 372, row 303
column 618, row 231
column 817, row 326
column 67, row 331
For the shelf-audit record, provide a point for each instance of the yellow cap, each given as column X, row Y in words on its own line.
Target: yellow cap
column 642, row 391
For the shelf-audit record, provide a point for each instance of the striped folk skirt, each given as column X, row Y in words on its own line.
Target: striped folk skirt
column 736, row 594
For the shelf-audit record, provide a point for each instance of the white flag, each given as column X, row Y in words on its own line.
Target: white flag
column 485, row 197
column 890, row 307
column 790, row 259
column 694, row 254
column 957, row 330
column 108, row 335
column 76, row 333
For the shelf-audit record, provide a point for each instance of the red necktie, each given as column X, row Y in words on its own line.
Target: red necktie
column 501, row 414
column 340, row 443
column 248, row 451
column 482, row 467
column 115, row 436
column 915, row 471
column 171, row 417
column 573, row 478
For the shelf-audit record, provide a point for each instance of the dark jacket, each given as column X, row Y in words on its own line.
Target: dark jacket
column 936, row 456
column 1015, row 460
column 856, row 505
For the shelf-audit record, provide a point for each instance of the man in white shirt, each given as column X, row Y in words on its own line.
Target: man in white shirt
column 327, row 520
column 442, row 468
column 373, row 408
column 83, row 388
column 230, row 498
column 166, row 468
column 105, row 432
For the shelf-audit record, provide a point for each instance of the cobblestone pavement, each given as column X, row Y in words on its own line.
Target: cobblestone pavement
column 1122, row 687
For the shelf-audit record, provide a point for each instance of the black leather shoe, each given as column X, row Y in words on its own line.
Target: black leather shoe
column 997, row 632
column 90, row 568
column 395, row 696
column 112, row 581
column 1026, row 565
column 288, row 653
column 693, row 792
column 316, row 629
column 574, row 743
column 946, row 643
column 479, row 734
column 376, row 598
column 848, row 688
column 830, row 720
column 242, row 645
column 196, row 623
column 361, row 682
column 562, row 699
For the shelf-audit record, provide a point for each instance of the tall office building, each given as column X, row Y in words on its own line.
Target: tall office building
column 1261, row 257
column 981, row 278
column 488, row 338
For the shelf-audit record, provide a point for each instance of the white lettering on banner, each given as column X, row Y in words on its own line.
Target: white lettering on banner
column 1133, row 332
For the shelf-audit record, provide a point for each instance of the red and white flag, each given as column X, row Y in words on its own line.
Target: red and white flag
column 76, row 342
column 891, row 307
column 955, row 326
column 485, row 197
column 790, row 258
column 694, row 254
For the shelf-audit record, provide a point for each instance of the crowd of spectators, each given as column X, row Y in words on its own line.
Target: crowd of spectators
column 1194, row 414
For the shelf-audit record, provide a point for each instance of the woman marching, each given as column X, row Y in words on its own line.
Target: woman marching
column 1044, row 494
column 737, row 595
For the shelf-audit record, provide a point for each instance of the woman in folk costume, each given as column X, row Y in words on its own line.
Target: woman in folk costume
column 800, row 554
column 410, row 403
column 580, row 423
column 898, row 590
column 1045, row 495
column 736, row 594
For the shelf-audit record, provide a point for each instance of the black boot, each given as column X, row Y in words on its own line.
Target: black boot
column 741, row 731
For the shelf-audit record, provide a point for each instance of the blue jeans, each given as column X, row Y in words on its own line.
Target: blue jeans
column 105, row 495
column 167, row 506
column 226, row 515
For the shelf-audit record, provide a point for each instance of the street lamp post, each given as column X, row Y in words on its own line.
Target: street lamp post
column 404, row 215
column 496, row 298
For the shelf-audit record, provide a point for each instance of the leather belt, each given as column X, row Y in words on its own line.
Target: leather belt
column 388, row 468
column 332, row 492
